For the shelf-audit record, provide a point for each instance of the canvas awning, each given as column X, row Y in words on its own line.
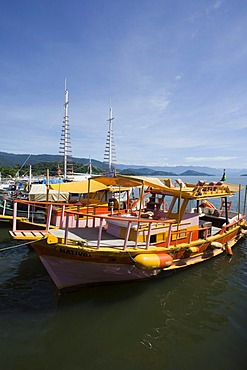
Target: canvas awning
column 79, row 187
column 38, row 193
column 107, row 183
column 131, row 181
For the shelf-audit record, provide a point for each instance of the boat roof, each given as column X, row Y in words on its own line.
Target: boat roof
column 80, row 187
column 131, row 181
column 202, row 191
column 121, row 182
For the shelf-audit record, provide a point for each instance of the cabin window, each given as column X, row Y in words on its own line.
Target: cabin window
column 175, row 205
column 180, row 235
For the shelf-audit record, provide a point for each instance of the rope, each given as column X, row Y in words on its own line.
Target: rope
column 19, row 245
column 132, row 259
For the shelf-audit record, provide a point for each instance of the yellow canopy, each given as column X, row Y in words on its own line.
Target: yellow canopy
column 131, row 181
column 107, row 183
column 205, row 191
column 80, row 187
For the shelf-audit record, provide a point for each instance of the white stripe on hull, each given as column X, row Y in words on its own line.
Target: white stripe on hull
column 70, row 273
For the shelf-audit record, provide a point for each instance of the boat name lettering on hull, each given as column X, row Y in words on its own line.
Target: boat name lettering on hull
column 74, row 253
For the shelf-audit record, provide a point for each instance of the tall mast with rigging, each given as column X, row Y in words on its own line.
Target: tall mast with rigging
column 110, row 151
column 65, row 142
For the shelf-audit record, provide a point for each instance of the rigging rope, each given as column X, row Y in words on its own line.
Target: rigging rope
column 19, row 245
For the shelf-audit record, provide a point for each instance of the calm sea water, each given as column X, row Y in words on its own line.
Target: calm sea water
column 195, row 319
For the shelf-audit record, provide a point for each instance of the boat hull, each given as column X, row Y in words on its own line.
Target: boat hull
column 75, row 272
column 72, row 268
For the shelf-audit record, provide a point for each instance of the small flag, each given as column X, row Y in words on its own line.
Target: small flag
column 223, row 178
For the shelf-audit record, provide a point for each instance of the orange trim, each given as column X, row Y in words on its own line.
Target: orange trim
column 206, row 203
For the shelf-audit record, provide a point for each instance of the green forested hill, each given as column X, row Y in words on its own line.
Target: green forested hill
column 10, row 163
column 10, row 159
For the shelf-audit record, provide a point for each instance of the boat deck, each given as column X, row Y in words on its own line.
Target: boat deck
column 215, row 230
column 91, row 236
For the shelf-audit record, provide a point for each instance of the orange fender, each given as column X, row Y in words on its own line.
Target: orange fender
column 228, row 249
column 151, row 261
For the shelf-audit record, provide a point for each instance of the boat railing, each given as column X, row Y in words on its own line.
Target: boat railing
column 3, row 207
column 206, row 230
column 145, row 226
column 30, row 207
column 48, row 208
column 31, row 212
column 19, row 212
column 149, row 225
column 232, row 224
column 176, row 235
column 139, row 224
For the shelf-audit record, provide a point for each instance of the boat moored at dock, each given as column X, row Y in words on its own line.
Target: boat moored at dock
column 167, row 229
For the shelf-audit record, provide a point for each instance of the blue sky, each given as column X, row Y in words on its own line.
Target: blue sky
column 173, row 70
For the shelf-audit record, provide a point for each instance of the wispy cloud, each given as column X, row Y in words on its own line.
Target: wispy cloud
column 175, row 76
column 160, row 102
column 216, row 4
column 215, row 159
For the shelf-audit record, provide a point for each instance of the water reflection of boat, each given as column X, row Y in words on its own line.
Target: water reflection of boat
column 167, row 232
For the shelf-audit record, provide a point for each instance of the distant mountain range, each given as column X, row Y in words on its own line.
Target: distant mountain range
column 10, row 159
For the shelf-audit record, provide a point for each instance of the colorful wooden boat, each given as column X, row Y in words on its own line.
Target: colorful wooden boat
column 169, row 228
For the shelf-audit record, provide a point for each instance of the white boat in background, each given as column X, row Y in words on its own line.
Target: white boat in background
column 6, row 184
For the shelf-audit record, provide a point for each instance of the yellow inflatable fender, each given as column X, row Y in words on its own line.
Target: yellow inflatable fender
column 52, row 239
